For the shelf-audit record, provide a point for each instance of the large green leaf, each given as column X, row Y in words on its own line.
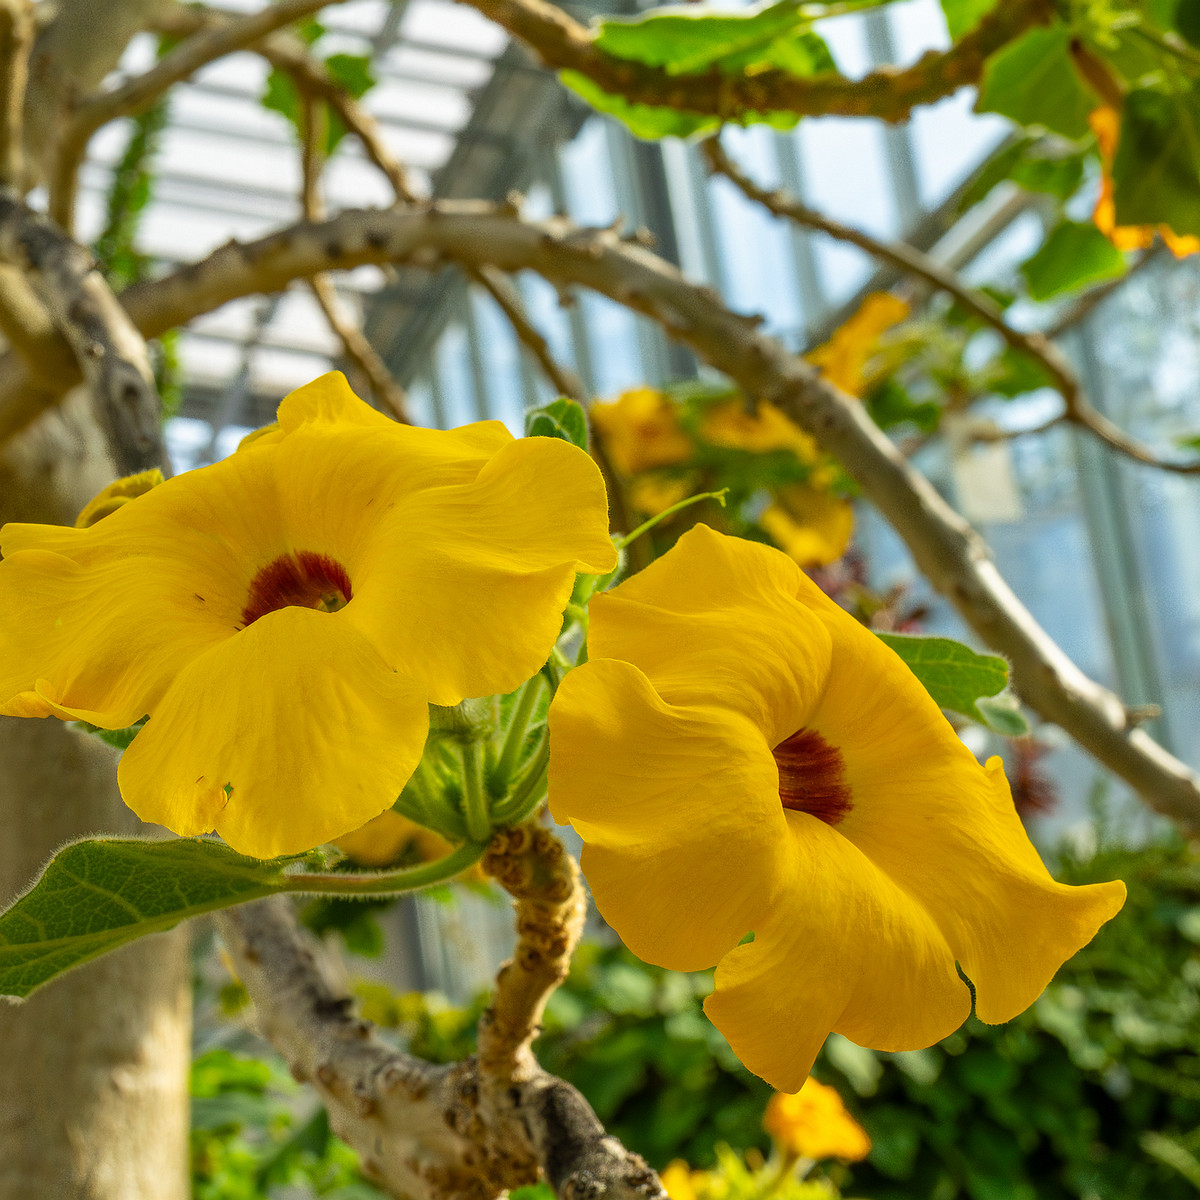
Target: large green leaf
column 774, row 38
column 97, row 895
column 1032, row 82
column 1156, row 173
column 1074, row 254
column 963, row 15
column 958, row 679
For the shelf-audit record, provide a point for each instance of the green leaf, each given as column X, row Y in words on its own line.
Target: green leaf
column 563, row 419
column 953, row 674
column 1003, row 714
column 1187, row 21
column 119, row 738
column 963, row 15
column 1075, row 253
column 1033, row 83
column 1156, row 173
column 773, row 38
column 99, row 894
column 351, row 72
column 280, row 96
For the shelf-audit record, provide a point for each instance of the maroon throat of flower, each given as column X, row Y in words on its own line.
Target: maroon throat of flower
column 301, row 580
column 812, row 777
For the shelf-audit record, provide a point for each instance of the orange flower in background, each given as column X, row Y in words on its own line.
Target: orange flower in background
column 843, row 359
column 641, row 430
column 814, row 1123
column 1106, row 125
column 286, row 616
column 739, row 755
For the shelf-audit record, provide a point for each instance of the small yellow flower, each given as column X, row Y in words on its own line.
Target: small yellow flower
column 286, row 616
column 809, row 525
column 640, row 430
column 653, row 493
column 843, row 358
column 119, row 492
column 740, row 755
column 767, row 429
column 814, row 1123
column 387, row 838
column 677, row 1181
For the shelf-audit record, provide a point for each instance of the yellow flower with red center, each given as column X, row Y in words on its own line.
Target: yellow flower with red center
column 814, row 1123
column 285, row 616
column 740, row 756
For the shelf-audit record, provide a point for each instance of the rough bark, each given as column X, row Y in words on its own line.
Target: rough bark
column 93, row 1077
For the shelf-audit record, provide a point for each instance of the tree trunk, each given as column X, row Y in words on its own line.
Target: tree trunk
column 93, row 1074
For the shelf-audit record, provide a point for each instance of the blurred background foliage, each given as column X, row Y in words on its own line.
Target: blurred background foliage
column 1093, row 1093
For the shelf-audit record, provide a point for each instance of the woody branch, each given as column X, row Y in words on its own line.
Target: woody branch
column 888, row 93
column 1076, row 408
column 422, row 1131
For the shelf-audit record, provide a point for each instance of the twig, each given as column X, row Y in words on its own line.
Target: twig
column 354, row 343
column 139, row 93
column 109, row 351
column 1038, row 346
column 890, row 94
column 420, row 1130
column 16, row 39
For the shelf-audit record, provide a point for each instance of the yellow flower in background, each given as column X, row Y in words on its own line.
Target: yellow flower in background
column 641, row 430
column 286, row 616
column 120, row 492
column 814, row 1123
column 739, row 755
column 760, row 432
column 843, row 358
column 677, row 1181
column 809, row 525
column 654, row 493
column 389, row 837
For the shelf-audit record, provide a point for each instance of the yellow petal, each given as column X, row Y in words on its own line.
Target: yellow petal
column 945, row 828
column 811, row 526
column 466, row 584
column 844, row 949
column 310, row 730
column 641, row 430
column 717, row 621
column 844, row 357
column 814, row 1123
column 764, row 430
column 328, row 400
column 652, row 789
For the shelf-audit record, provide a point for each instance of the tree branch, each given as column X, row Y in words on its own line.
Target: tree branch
column 420, row 1129
column 888, row 93
column 108, row 350
column 137, row 94
column 1077, row 409
column 16, row 40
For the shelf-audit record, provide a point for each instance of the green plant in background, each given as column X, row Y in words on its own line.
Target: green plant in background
column 1094, row 1092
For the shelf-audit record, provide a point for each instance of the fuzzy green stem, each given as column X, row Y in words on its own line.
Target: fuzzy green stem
column 527, row 793
column 475, row 803
column 645, row 526
column 514, row 739
column 383, row 883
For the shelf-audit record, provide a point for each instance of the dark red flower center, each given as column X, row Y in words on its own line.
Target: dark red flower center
column 300, row 580
column 812, row 777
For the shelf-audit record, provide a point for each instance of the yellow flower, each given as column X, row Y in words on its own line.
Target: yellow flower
column 119, row 492
column 677, row 1181
column 387, row 838
column 814, row 1123
column 768, row 429
column 809, row 525
column 843, row 358
column 285, row 616
column 640, row 430
column 739, row 755
column 652, row 494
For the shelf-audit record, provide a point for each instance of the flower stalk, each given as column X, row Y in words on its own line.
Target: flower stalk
column 475, row 802
column 386, row 883
column 514, row 739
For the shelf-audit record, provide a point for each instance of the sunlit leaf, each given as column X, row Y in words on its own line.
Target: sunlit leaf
column 564, row 419
column 963, row 15
column 1074, row 254
column 99, row 894
column 1156, row 173
column 1032, row 82
column 957, row 677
